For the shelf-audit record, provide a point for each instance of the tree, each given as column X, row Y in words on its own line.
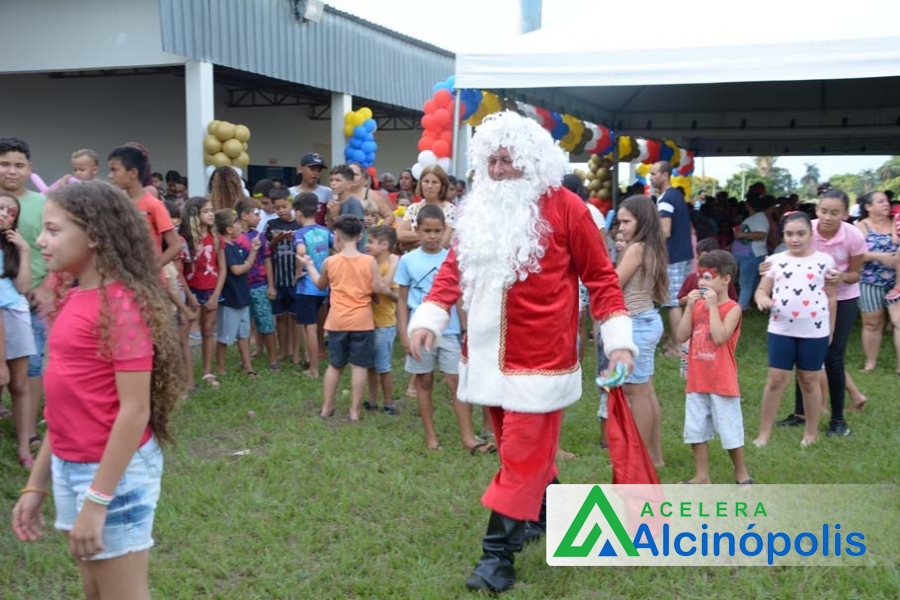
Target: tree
column 890, row 169
column 710, row 185
column 765, row 164
column 810, row 180
column 778, row 181
column 869, row 180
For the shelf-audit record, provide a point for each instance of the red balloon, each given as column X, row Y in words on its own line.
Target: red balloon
column 447, row 136
column 545, row 117
column 441, row 148
column 428, row 122
column 429, row 107
column 450, row 108
column 443, row 98
column 425, row 143
column 653, row 147
column 442, row 116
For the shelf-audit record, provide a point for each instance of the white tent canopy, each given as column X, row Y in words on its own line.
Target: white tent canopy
column 788, row 77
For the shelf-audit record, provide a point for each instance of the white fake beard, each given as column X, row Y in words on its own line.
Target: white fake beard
column 499, row 234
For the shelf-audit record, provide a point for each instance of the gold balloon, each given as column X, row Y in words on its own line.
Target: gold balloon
column 241, row 161
column 604, row 194
column 242, row 133
column 211, row 144
column 220, row 159
column 232, row 148
column 225, row 131
column 213, row 125
column 207, row 158
column 244, row 146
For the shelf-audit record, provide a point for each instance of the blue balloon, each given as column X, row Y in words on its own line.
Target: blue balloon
column 451, row 82
column 368, row 147
column 348, row 153
column 370, row 125
column 441, row 85
column 370, row 137
column 370, row 158
column 374, row 147
column 560, row 131
column 356, row 143
column 359, row 156
column 359, row 131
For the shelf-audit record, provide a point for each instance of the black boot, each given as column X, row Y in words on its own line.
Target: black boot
column 535, row 529
column 494, row 571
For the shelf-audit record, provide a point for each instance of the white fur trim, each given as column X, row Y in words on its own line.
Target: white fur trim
column 432, row 317
column 482, row 382
column 617, row 335
column 521, row 393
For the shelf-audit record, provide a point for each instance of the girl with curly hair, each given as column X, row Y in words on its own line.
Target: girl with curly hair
column 113, row 377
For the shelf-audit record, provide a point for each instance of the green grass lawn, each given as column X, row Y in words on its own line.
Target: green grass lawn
column 331, row 509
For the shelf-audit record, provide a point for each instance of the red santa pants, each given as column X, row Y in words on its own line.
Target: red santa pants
column 527, row 443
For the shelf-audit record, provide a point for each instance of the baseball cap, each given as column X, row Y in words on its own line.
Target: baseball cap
column 312, row 159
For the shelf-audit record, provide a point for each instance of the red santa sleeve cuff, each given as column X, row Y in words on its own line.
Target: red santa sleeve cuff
column 616, row 335
column 434, row 318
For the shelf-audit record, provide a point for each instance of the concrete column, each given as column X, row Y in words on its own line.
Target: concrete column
column 199, row 111
column 461, row 164
column 341, row 104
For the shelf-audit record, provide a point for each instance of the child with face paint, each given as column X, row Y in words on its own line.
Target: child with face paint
column 712, row 322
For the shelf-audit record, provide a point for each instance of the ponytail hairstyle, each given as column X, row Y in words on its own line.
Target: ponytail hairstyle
column 124, row 253
column 648, row 231
column 11, row 256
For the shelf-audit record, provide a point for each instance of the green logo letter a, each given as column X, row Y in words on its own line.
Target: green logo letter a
column 597, row 498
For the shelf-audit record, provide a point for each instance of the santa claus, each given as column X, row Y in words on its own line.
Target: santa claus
column 522, row 242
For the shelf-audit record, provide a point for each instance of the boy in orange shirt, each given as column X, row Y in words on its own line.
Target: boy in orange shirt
column 712, row 322
column 353, row 278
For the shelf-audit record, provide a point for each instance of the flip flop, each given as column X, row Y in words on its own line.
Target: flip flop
column 211, row 380
column 491, row 448
column 749, row 481
column 252, row 374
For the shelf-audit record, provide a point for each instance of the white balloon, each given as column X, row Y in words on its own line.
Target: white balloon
column 417, row 170
column 238, row 170
column 644, row 152
column 444, row 163
column 426, row 158
column 209, row 170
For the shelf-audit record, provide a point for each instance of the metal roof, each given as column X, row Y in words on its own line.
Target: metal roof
column 342, row 53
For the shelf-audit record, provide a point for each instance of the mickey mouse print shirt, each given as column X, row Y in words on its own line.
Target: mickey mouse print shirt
column 799, row 303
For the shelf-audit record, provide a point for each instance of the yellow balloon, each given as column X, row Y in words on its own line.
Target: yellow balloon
column 211, row 144
column 225, row 131
column 642, row 170
column 241, row 161
column 348, row 118
column 220, row 159
column 244, row 146
column 365, row 112
column 207, row 158
column 348, row 130
column 358, row 119
column 242, row 133
column 232, row 148
column 625, row 146
column 213, row 125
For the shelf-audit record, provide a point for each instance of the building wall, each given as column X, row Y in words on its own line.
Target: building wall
column 58, row 116
column 52, row 35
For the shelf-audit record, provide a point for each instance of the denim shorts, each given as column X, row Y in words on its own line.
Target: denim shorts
column 647, row 329
column 384, row 348
column 19, row 337
column 232, row 324
column 306, row 308
column 39, row 330
column 202, row 296
column 129, row 517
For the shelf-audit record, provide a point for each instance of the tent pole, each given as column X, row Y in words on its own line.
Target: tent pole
column 454, row 167
column 615, row 176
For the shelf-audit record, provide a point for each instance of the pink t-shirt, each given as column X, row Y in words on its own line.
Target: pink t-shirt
column 82, row 401
column 846, row 243
column 799, row 302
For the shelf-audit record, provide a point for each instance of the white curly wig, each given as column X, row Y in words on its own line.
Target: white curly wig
column 500, row 233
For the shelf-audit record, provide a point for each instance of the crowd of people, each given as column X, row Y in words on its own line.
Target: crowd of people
column 122, row 274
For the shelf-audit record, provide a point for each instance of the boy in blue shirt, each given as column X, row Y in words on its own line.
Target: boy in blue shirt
column 233, row 316
column 315, row 241
column 415, row 275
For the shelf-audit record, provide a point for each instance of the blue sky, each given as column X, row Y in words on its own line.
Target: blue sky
column 468, row 25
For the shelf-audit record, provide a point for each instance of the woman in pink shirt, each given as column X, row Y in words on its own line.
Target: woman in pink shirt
column 113, row 374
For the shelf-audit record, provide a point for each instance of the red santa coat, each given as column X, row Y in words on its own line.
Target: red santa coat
column 521, row 353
